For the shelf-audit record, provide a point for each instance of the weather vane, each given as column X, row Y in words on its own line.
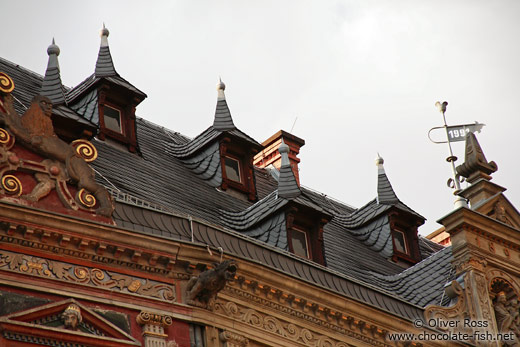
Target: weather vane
column 454, row 133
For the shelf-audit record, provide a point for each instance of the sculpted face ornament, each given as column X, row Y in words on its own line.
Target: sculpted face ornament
column 72, row 317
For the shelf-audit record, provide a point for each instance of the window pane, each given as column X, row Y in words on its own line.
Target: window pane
column 232, row 169
column 399, row 242
column 112, row 119
column 299, row 243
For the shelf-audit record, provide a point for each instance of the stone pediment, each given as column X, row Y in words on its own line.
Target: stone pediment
column 64, row 322
column 500, row 208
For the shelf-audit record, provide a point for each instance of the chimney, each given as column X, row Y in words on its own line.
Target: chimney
column 271, row 156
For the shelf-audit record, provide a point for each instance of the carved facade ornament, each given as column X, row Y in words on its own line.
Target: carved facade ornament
column 201, row 290
column 285, row 329
column 475, row 165
column 469, row 262
column 456, row 312
column 85, row 276
column 72, row 317
column 62, row 163
column 499, row 213
column 153, row 328
column 506, row 308
column 233, row 340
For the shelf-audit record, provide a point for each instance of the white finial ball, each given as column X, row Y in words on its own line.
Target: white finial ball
column 379, row 160
column 104, row 31
column 53, row 49
column 221, row 85
column 283, row 148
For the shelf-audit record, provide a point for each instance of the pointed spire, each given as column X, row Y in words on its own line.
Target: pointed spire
column 51, row 85
column 475, row 164
column 385, row 192
column 104, row 64
column 287, row 185
column 223, row 120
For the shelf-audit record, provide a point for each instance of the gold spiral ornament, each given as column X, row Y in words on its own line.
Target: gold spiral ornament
column 5, row 138
column 85, row 149
column 85, row 198
column 12, row 185
column 6, row 83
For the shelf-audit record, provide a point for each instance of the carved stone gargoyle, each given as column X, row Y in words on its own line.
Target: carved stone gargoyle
column 202, row 290
column 62, row 163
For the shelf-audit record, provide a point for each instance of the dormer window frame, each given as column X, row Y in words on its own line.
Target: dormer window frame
column 308, row 246
column 120, row 113
column 244, row 156
column 239, row 165
column 115, row 99
column 311, row 223
column 408, row 229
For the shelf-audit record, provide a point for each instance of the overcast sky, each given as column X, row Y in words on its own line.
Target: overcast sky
column 361, row 77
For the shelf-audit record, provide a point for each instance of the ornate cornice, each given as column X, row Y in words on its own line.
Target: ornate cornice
column 78, row 246
column 233, row 339
column 85, row 276
column 146, row 317
column 302, row 309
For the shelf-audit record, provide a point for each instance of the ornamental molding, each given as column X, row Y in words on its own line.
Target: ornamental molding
column 146, row 317
column 283, row 328
column 77, row 246
column 233, row 340
column 313, row 313
column 86, row 276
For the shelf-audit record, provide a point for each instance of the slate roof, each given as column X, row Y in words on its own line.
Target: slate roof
column 51, row 85
column 423, row 283
column 27, row 85
column 164, row 177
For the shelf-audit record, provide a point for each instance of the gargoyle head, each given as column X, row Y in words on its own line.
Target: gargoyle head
column 227, row 269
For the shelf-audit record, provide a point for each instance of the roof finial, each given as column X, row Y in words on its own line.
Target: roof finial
column 223, row 120
column 104, row 36
column 385, row 192
column 287, row 185
column 51, row 85
column 104, row 64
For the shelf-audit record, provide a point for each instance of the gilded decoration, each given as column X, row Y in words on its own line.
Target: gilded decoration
column 86, row 276
column 282, row 328
column 62, row 163
column 145, row 317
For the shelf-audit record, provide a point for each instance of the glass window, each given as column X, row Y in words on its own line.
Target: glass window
column 112, row 118
column 400, row 242
column 299, row 243
column 232, row 169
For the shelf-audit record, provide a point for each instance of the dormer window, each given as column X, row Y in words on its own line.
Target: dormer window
column 233, row 171
column 400, row 242
column 112, row 118
column 300, row 243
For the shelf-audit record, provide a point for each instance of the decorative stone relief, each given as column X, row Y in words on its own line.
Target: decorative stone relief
column 153, row 329
column 233, row 340
column 456, row 312
column 506, row 308
column 72, row 317
column 86, row 276
column 284, row 329
column 62, row 163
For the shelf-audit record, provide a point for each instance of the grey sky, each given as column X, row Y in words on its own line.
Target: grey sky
column 361, row 76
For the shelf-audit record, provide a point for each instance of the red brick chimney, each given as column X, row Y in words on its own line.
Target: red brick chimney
column 270, row 155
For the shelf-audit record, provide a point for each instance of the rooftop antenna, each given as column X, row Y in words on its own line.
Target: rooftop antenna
column 454, row 133
column 293, row 124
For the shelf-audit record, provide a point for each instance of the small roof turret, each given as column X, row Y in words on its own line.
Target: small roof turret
column 223, row 120
column 385, row 192
column 104, row 64
column 51, row 85
column 287, row 185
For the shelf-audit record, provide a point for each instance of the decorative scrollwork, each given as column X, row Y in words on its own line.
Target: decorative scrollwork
column 5, row 138
column 12, row 185
column 85, row 198
column 85, row 149
column 6, row 83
